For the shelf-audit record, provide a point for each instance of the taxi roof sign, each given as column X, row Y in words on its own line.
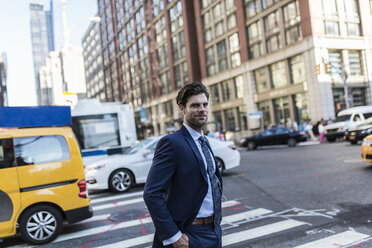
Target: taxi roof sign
column 41, row 116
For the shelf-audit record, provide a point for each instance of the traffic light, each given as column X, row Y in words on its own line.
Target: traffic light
column 317, row 70
column 327, row 68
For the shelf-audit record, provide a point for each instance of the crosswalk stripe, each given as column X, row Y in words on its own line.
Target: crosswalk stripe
column 146, row 220
column 260, row 231
column 140, row 199
column 110, row 198
column 245, row 215
column 131, row 242
column 337, row 240
column 102, row 229
column 120, row 203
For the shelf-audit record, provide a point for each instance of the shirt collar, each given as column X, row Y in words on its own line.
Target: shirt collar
column 194, row 134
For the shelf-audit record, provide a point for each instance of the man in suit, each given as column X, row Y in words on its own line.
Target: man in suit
column 183, row 188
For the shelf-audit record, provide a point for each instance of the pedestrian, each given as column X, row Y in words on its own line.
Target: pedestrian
column 321, row 131
column 183, row 188
column 309, row 130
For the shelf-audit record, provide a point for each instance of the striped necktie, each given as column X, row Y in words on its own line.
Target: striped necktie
column 215, row 182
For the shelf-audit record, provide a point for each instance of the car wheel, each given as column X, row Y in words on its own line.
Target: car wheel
column 121, row 180
column 354, row 142
column 220, row 165
column 40, row 224
column 251, row 145
column 331, row 140
column 292, row 142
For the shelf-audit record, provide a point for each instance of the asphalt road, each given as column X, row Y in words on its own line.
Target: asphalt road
column 307, row 196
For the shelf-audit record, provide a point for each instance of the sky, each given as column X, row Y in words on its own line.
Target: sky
column 15, row 41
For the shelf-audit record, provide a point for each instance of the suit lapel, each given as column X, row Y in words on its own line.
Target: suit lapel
column 195, row 150
column 218, row 173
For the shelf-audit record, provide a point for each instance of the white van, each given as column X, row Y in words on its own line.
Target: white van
column 346, row 119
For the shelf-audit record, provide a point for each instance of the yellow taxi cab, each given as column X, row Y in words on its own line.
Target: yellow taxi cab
column 367, row 149
column 42, row 182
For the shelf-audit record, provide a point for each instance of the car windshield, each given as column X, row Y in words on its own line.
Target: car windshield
column 138, row 146
column 343, row 118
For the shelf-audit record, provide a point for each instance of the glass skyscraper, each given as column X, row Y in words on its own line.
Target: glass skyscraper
column 42, row 38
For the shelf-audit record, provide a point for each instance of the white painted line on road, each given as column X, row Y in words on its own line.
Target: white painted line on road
column 260, row 231
column 338, row 240
column 115, row 197
column 116, row 226
column 94, row 218
column 102, row 229
column 131, row 242
column 227, row 204
column 245, row 215
column 120, row 203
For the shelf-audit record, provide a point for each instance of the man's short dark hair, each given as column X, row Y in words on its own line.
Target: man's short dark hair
column 191, row 89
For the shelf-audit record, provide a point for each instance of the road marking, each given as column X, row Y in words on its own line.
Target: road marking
column 120, row 203
column 337, row 240
column 131, row 242
column 115, row 197
column 260, row 231
column 227, row 204
column 245, row 215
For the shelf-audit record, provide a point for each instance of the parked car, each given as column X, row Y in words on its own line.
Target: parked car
column 346, row 119
column 274, row 136
column 120, row 172
column 358, row 133
column 367, row 149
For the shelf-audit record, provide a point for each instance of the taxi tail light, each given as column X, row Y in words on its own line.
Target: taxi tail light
column 232, row 147
column 83, row 189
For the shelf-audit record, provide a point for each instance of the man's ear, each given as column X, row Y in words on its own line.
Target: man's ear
column 182, row 108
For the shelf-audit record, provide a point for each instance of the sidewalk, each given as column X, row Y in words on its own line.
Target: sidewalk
column 309, row 143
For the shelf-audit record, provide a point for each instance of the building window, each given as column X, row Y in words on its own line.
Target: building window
column 239, row 87
column 251, row 8
column 335, row 62
column 272, row 32
column 355, row 63
column 329, row 8
column 222, row 57
column 243, row 125
column 279, row 74
column 211, row 67
column 331, row 27
column 264, row 107
column 267, row 3
column 292, row 20
column 226, row 91
column 231, row 22
column 218, row 120
column 262, row 79
column 215, row 94
column 281, row 111
column 353, row 29
column 351, row 8
column 297, row 69
column 301, row 107
column 254, row 37
column 229, row 119
column 177, row 76
column 234, row 48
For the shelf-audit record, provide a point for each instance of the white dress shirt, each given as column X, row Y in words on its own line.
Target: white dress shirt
column 206, row 209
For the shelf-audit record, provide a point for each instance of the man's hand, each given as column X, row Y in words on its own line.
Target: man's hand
column 183, row 242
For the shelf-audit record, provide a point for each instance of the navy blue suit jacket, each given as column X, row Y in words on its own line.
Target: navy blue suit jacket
column 176, row 184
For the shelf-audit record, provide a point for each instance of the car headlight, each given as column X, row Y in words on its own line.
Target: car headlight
column 242, row 141
column 367, row 142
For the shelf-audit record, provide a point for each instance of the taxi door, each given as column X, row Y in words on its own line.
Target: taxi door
column 9, row 188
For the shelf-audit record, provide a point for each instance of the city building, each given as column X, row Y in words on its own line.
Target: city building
column 93, row 63
column 284, row 60
column 3, row 80
column 42, row 39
